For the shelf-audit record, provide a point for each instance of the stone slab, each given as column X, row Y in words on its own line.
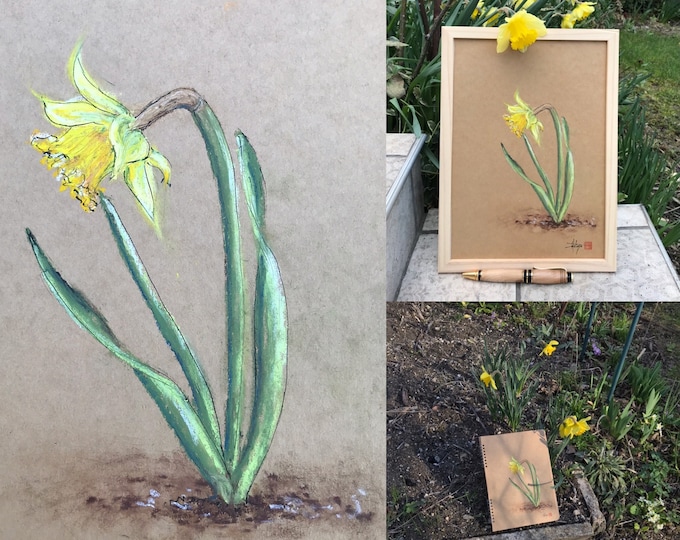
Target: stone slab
column 644, row 272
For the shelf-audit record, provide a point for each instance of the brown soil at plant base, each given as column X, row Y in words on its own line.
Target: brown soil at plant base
column 139, row 496
column 544, row 221
column 279, row 500
column 436, row 411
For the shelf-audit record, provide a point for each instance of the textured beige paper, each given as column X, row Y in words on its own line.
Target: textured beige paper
column 508, row 507
column 304, row 81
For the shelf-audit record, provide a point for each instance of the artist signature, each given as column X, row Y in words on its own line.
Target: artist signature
column 575, row 245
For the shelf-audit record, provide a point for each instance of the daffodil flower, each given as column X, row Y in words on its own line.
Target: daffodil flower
column 572, row 427
column 487, row 379
column 479, row 9
column 568, row 20
column 519, row 31
column 580, row 12
column 98, row 139
column 516, row 467
column 583, row 10
column 491, row 14
column 521, row 117
column 550, row 348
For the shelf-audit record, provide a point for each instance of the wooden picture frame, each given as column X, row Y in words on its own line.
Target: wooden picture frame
column 489, row 215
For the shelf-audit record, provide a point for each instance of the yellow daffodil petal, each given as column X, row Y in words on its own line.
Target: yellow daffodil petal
column 73, row 113
column 519, row 31
column 503, row 39
column 88, row 89
column 160, row 162
column 565, row 427
column 140, row 179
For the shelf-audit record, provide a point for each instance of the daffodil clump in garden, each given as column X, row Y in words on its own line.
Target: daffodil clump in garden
column 586, row 429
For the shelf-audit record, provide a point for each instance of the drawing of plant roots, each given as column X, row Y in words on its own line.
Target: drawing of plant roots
column 555, row 200
column 231, row 462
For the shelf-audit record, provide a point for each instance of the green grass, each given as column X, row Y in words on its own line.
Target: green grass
column 658, row 55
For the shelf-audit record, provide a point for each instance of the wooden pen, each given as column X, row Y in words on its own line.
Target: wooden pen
column 535, row 275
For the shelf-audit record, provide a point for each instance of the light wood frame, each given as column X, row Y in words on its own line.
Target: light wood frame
column 576, row 71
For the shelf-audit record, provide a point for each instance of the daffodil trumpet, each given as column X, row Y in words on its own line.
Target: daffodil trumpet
column 100, row 138
column 555, row 200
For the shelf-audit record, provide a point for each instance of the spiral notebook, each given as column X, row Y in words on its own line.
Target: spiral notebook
column 515, row 499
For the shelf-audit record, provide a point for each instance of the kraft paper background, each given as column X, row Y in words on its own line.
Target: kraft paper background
column 304, row 81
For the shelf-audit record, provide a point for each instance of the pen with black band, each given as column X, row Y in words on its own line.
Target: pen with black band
column 536, row 275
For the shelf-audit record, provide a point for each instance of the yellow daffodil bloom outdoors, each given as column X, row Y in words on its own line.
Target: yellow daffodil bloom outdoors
column 490, row 15
column 519, row 31
column 580, row 12
column 98, row 139
column 487, row 379
column 522, row 28
column 571, row 427
column 550, row 348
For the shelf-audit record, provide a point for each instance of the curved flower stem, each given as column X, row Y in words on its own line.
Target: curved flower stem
column 223, row 171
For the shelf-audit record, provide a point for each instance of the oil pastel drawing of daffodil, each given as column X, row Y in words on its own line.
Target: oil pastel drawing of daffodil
column 98, row 139
column 519, row 31
column 531, row 491
column 556, row 197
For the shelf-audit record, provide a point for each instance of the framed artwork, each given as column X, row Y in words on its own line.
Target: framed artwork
column 528, row 152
